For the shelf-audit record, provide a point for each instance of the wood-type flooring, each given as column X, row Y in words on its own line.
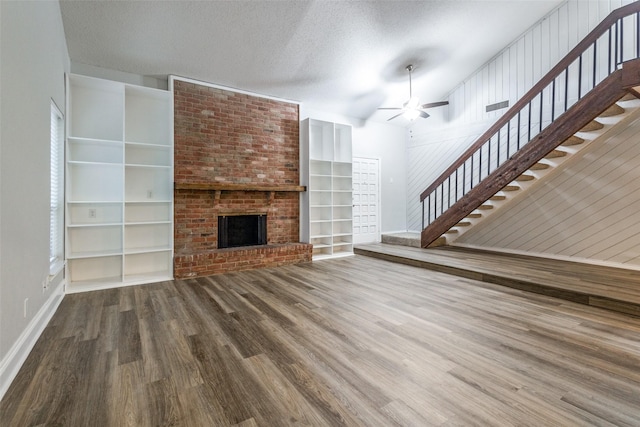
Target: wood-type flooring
column 353, row 341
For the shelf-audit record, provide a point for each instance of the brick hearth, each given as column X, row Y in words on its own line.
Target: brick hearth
column 226, row 137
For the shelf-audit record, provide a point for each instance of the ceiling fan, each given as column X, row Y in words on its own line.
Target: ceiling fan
column 412, row 108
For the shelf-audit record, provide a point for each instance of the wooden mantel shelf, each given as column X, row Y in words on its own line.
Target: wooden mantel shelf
column 219, row 186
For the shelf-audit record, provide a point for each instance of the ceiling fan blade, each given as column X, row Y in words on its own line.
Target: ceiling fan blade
column 434, row 104
column 424, row 114
column 397, row 115
column 390, row 108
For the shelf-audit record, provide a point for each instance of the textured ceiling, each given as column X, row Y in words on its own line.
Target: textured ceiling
column 342, row 56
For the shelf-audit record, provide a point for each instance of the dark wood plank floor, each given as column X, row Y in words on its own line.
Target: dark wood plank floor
column 607, row 287
column 353, row 341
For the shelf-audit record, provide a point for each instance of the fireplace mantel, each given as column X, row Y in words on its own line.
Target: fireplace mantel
column 225, row 186
column 219, row 187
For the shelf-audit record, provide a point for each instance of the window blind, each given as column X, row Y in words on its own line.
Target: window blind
column 56, row 217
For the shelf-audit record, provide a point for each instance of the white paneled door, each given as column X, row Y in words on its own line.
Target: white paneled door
column 366, row 200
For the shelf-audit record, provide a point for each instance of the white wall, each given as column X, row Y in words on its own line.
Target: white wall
column 386, row 142
column 435, row 145
column 33, row 61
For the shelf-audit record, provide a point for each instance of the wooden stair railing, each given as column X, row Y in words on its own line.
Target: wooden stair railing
column 585, row 83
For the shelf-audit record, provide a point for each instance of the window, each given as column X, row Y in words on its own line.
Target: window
column 56, row 218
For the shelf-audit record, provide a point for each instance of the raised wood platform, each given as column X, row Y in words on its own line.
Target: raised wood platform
column 606, row 287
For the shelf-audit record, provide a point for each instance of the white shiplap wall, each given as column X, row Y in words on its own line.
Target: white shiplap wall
column 586, row 210
column 506, row 77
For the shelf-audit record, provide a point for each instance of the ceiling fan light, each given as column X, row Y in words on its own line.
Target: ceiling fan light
column 411, row 114
column 413, row 102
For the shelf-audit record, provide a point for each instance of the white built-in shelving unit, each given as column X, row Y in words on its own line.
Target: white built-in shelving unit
column 119, row 195
column 326, row 207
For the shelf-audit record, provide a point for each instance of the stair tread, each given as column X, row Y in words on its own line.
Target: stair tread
column 511, row 188
column 485, row 207
column 440, row 241
column 591, row 126
column 555, row 154
column 573, row 140
column 614, row 110
column 539, row 166
column 474, row 215
column 524, row 177
column 463, row 224
column 498, row 198
column 628, row 97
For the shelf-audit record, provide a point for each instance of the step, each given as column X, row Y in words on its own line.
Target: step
column 474, row 215
column 614, row 110
column 628, row 97
column 498, row 198
column 402, row 239
column 574, row 140
column 525, row 177
column 451, row 231
column 511, row 188
column 539, row 167
column 463, row 224
column 485, row 207
column 440, row 241
column 592, row 126
column 555, row 154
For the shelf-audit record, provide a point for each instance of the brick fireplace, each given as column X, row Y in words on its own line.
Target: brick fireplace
column 235, row 154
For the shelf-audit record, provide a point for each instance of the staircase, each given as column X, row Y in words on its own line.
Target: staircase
column 595, row 87
column 572, row 148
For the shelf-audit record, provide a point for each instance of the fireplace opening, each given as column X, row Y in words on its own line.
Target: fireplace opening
column 241, row 230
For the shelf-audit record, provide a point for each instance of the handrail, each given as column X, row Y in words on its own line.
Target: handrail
column 549, row 78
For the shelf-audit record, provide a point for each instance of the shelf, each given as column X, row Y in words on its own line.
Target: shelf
column 134, row 165
column 150, row 222
column 342, row 244
column 147, row 201
column 108, row 224
column 152, row 277
column 148, row 145
column 317, row 221
column 321, row 236
column 96, row 254
column 214, row 186
column 320, row 245
column 82, row 162
column 146, row 250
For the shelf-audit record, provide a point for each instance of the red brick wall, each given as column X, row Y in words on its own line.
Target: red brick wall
column 223, row 136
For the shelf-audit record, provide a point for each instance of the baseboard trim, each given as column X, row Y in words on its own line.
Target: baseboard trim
column 17, row 355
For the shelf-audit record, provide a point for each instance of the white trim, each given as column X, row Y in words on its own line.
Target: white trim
column 172, row 78
column 552, row 256
column 15, row 358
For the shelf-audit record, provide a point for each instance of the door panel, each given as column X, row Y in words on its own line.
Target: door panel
column 366, row 184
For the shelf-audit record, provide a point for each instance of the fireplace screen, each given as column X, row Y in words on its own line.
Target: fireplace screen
column 242, row 230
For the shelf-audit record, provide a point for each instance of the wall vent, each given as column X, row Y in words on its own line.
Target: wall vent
column 497, row 106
